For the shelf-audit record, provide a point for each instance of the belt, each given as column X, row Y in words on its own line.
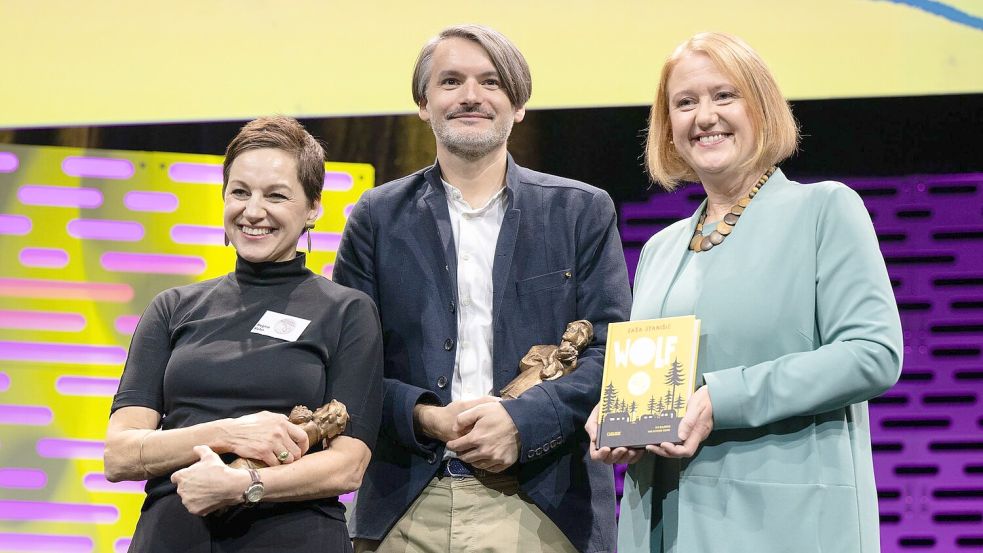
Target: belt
column 459, row 469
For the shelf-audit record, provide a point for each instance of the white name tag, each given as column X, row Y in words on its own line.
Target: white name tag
column 278, row 325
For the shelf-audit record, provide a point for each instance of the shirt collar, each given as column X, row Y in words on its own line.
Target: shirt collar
column 432, row 175
column 455, row 196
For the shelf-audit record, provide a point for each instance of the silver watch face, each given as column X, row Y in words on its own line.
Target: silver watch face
column 254, row 492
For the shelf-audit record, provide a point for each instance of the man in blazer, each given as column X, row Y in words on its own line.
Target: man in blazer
column 471, row 262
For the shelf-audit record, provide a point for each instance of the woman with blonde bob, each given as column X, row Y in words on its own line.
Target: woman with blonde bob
column 799, row 328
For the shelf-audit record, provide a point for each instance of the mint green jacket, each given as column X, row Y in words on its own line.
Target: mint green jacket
column 799, row 329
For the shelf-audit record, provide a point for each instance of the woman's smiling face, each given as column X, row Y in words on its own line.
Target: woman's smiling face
column 266, row 210
column 711, row 128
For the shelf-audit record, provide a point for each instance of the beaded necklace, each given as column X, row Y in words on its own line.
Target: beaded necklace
column 700, row 243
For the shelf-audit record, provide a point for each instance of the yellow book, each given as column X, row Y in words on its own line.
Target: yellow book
column 649, row 374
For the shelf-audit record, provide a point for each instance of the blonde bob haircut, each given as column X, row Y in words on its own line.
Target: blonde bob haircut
column 771, row 117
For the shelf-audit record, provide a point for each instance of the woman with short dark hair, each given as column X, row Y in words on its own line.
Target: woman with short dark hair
column 214, row 368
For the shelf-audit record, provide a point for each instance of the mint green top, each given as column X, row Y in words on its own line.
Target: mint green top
column 799, row 329
column 685, row 289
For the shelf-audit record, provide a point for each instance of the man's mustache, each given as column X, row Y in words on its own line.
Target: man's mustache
column 470, row 111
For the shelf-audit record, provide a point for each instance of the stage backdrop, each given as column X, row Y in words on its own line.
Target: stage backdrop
column 118, row 61
column 88, row 238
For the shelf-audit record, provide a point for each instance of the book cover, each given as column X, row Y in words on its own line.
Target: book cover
column 649, row 374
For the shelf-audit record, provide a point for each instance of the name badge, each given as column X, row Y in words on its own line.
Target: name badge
column 278, row 325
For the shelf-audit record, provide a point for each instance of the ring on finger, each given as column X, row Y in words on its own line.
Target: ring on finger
column 283, row 456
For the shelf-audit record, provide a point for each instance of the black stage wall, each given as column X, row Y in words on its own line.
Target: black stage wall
column 603, row 146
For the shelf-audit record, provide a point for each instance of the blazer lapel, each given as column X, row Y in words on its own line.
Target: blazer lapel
column 436, row 202
column 505, row 247
column 670, row 259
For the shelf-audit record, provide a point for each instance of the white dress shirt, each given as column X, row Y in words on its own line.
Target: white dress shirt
column 475, row 237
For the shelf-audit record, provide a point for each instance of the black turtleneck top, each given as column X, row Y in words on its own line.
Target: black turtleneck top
column 194, row 358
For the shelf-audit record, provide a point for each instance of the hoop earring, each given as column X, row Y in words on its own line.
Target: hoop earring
column 309, row 227
column 226, row 239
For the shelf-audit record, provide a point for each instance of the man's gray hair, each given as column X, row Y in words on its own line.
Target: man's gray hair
column 513, row 71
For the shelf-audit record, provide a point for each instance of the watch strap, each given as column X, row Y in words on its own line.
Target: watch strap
column 256, row 485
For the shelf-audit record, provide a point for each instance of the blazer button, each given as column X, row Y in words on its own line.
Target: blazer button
column 453, row 306
column 449, row 344
column 432, row 458
column 442, row 382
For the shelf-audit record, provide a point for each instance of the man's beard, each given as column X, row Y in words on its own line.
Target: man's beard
column 467, row 143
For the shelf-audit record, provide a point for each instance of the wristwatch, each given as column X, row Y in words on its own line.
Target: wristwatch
column 253, row 493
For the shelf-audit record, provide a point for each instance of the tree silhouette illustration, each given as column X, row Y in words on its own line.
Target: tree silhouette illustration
column 674, row 377
column 610, row 398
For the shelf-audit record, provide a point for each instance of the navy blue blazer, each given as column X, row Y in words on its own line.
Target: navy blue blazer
column 558, row 259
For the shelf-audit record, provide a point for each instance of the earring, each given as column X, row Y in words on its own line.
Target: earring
column 226, row 239
column 309, row 227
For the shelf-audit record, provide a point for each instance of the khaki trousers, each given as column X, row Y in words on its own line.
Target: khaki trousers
column 474, row 515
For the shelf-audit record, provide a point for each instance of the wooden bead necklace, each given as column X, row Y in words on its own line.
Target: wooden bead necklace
column 701, row 243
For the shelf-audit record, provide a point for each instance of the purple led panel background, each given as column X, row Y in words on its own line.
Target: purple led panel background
column 927, row 431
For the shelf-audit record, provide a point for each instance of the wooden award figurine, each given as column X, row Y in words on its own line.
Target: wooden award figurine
column 327, row 422
column 550, row 362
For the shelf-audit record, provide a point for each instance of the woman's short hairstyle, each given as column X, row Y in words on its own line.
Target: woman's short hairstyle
column 282, row 133
column 771, row 117
column 513, row 71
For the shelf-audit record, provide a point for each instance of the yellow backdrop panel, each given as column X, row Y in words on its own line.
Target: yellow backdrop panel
column 116, row 61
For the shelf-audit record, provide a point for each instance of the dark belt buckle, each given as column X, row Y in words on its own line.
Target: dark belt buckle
column 459, row 469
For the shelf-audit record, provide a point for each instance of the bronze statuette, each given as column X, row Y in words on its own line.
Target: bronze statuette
column 325, row 423
column 550, row 362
